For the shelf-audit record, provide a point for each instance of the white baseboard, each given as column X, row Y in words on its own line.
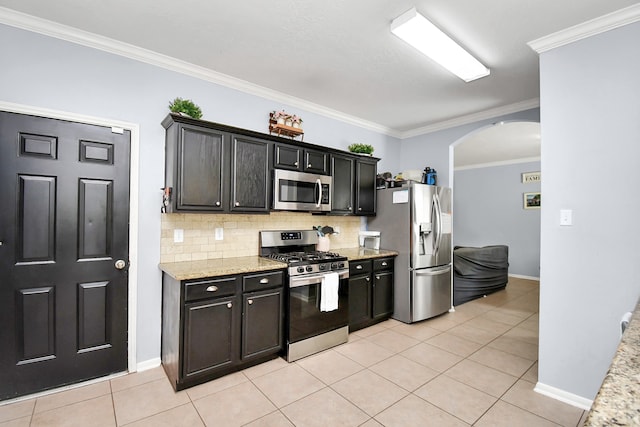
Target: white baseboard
column 520, row 276
column 148, row 364
column 563, row 396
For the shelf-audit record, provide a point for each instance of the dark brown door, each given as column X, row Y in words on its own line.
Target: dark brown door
column 64, row 189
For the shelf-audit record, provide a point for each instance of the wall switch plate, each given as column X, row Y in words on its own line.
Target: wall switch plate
column 566, row 217
column 219, row 234
column 178, row 235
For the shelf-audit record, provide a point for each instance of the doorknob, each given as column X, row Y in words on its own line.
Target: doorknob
column 120, row 264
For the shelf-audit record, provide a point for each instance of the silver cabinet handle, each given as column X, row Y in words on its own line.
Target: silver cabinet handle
column 217, row 203
column 359, row 209
column 358, row 267
column 295, row 164
column 368, row 279
column 309, row 165
column 120, row 264
column 377, row 277
column 250, row 301
column 237, row 203
column 229, row 305
column 384, row 263
column 264, row 281
column 212, row 288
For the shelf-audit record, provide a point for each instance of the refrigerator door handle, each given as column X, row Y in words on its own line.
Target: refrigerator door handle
column 433, row 271
column 438, row 209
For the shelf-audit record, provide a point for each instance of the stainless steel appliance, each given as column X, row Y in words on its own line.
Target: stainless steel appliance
column 415, row 221
column 299, row 191
column 310, row 325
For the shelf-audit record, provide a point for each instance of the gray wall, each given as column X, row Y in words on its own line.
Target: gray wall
column 49, row 73
column 589, row 272
column 488, row 210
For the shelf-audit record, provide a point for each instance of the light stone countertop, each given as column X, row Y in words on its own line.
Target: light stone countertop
column 187, row 270
column 618, row 401
column 219, row 267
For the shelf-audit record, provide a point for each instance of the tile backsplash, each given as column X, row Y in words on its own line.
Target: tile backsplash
column 240, row 233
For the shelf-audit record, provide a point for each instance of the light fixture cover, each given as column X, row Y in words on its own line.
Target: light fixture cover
column 420, row 33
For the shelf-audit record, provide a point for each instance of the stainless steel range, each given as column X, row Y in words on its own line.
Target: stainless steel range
column 317, row 308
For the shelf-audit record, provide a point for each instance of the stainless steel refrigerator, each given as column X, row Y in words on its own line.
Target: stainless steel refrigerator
column 415, row 220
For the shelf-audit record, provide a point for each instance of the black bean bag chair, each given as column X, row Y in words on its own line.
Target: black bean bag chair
column 479, row 271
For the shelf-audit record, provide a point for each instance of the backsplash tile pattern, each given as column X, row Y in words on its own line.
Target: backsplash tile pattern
column 241, row 233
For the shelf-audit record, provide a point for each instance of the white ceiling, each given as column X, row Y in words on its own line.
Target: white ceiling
column 340, row 54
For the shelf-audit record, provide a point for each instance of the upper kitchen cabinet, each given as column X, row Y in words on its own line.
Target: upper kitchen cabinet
column 343, row 173
column 366, row 171
column 250, row 174
column 195, row 167
column 299, row 159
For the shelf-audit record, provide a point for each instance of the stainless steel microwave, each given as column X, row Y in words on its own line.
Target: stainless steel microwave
column 299, row 191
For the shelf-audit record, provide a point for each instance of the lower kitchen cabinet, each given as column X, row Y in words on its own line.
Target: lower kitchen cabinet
column 218, row 325
column 370, row 291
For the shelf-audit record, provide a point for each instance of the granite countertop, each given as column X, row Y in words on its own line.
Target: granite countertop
column 618, row 401
column 357, row 253
column 219, row 267
column 187, row 270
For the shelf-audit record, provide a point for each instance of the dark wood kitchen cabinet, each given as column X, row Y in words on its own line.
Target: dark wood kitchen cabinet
column 195, row 167
column 300, row 159
column 366, row 171
column 343, row 173
column 370, row 291
column 250, row 174
column 217, row 325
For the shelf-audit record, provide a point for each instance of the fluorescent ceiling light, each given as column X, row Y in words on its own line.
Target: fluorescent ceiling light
column 416, row 30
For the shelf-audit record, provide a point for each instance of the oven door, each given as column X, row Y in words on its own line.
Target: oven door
column 306, row 320
column 298, row 191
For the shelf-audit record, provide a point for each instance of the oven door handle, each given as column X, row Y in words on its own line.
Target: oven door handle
column 319, row 188
column 313, row 279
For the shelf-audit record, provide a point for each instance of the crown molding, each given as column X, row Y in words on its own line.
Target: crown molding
column 589, row 28
column 471, row 118
column 74, row 35
column 497, row 164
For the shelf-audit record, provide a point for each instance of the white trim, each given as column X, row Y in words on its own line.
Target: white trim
column 133, row 202
column 149, row 364
column 106, row 44
column 472, row 118
column 563, row 396
column 521, row 276
column 587, row 29
column 500, row 163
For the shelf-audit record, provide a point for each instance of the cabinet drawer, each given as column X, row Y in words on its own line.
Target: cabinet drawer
column 382, row 264
column 256, row 282
column 211, row 288
column 359, row 267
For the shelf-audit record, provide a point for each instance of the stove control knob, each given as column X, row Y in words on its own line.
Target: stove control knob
column 341, row 265
column 322, row 267
column 309, row 268
column 334, row 266
column 300, row 269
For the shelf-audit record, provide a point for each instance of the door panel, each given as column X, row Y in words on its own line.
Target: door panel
column 63, row 304
column 431, row 289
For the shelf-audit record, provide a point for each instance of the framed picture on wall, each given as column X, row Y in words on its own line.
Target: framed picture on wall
column 532, row 200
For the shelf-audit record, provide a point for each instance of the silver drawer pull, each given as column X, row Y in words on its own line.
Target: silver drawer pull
column 250, row 301
column 377, row 277
column 368, row 279
column 384, row 263
column 229, row 305
column 212, row 288
column 264, row 281
column 358, row 267
column 309, row 165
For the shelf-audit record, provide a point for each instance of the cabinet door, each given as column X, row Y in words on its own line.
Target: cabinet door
column 201, row 156
column 262, row 326
column 366, row 188
column 316, row 162
column 342, row 171
column 382, row 294
column 250, row 175
column 288, row 157
column 359, row 300
column 210, row 335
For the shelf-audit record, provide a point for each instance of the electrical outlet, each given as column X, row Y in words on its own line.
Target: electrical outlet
column 178, row 235
column 566, row 217
column 219, row 234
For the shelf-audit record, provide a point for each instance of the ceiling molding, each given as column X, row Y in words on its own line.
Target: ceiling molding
column 472, row 118
column 589, row 28
column 49, row 28
column 495, row 164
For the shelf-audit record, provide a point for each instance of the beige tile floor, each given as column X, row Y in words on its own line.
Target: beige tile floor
column 476, row 366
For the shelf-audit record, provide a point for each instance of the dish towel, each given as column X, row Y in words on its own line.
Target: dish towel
column 329, row 292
